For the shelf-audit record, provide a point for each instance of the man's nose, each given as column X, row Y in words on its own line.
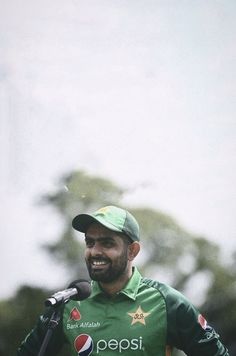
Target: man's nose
column 96, row 250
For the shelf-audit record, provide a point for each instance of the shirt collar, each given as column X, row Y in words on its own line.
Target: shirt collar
column 130, row 289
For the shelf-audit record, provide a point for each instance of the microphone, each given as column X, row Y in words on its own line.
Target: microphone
column 77, row 290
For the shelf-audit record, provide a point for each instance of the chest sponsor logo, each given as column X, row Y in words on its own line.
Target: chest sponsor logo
column 138, row 316
column 85, row 345
column 74, row 315
column 85, row 324
column 74, row 322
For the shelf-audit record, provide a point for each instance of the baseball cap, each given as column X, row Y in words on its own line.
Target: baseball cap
column 113, row 218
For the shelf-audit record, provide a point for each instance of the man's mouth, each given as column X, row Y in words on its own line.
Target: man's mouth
column 98, row 264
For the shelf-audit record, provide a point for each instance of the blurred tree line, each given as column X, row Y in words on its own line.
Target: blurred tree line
column 186, row 260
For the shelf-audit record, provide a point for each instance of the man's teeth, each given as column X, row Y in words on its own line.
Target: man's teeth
column 98, row 263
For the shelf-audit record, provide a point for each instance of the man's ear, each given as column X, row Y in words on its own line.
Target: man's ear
column 133, row 250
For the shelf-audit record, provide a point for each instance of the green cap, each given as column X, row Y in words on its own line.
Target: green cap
column 113, row 218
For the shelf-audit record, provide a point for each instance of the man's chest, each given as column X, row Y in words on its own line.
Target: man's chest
column 124, row 327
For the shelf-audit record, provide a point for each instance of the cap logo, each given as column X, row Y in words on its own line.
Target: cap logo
column 139, row 316
column 102, row 210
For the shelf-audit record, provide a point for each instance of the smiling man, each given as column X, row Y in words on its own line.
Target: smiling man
column 126, row 314
column 108, row 256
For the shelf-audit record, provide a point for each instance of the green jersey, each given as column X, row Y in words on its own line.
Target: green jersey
column 146, row 318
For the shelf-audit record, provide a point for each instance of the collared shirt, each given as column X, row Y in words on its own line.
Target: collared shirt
column 130, row 289
column 146, row 318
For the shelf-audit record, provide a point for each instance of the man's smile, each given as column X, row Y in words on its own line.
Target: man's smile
column 98, row 263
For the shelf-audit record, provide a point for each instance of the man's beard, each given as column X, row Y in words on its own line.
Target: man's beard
column 112, row 272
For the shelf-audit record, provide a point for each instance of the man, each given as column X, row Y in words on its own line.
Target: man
column 126, row 314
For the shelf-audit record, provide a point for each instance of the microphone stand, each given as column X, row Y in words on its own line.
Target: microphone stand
column 53, row 323
column 80, row 287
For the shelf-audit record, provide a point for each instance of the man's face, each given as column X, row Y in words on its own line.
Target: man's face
column 106, row 254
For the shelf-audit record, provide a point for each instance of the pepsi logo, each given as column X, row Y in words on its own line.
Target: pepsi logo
column 83, row 345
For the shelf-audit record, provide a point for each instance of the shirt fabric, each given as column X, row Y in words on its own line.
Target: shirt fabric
column 146, row 318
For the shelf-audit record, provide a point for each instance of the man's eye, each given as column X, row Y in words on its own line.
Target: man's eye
column 89, row 243
column 108, row 244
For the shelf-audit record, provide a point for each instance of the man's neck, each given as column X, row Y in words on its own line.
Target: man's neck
column 115, row 287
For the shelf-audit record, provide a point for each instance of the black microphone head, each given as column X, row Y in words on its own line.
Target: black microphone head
column 83, row 287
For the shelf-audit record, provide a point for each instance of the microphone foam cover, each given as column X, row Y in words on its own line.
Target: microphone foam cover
column 83, row 287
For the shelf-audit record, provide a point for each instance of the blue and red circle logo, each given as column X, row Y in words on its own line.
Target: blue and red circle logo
column 83, row 345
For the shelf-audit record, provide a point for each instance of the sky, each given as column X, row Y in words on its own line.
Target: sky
column 139, row 92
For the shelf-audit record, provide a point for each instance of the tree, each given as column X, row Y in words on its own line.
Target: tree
column 17, row 315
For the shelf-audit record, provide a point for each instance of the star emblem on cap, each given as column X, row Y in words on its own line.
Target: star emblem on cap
column 103, row 210
column 138, row 316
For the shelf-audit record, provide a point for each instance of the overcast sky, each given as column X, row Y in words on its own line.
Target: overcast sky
column 140, row 92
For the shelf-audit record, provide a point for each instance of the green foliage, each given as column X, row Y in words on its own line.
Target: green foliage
column 79, row 191
column 220, row 304
column 164, row 239
column 18, row 315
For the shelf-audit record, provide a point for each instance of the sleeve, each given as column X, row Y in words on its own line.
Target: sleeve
column 33, row 341
column 187, row 330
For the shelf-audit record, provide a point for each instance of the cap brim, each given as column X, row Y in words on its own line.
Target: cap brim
column 82, row 221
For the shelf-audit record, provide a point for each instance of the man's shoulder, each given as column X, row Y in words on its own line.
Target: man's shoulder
column 169, row 293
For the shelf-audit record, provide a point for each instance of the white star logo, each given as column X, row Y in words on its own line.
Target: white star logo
column 138, row 316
